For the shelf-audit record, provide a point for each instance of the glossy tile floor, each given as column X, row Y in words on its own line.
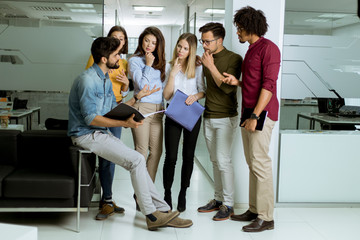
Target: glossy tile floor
column 290, row 223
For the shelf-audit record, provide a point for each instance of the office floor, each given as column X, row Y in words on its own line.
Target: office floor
column 290, row 223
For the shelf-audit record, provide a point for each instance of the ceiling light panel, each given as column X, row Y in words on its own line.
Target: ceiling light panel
column 214, row 11
column 80, row 10
column 317, row 20
column 148, row 8
column 333, row 15
column 79, row 5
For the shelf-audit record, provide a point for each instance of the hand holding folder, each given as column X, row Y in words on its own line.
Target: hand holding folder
column 185, row 115
column 246, row 115
column 124, row 111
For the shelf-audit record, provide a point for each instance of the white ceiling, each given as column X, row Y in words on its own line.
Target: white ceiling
column 47, row 11
column 302, row 14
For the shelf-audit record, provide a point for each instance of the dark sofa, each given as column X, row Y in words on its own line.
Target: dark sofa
column 40, row 171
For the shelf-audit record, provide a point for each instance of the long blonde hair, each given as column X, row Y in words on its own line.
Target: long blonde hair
column 191, row 59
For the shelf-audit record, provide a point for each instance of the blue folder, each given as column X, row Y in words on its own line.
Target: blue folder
column 185, row 115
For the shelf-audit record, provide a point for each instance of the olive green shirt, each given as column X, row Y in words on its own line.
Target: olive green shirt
column 221, row 102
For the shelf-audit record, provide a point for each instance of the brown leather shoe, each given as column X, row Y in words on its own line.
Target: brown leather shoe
column 259, row 225
column 247, row 216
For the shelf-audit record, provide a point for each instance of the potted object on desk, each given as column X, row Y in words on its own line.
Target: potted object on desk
column 4, row 121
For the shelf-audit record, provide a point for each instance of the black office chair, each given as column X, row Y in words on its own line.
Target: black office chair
column 56, row 124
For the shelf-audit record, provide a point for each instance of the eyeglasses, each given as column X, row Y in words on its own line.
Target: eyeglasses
column 207, row 42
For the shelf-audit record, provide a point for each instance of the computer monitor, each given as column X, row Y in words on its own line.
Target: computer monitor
column 330, row 105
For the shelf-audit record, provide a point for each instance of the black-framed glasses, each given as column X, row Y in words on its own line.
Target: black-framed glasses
column 207, row 42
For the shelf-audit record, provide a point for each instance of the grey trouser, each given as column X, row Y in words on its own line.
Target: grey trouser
column 113, row 149
column 219, row 135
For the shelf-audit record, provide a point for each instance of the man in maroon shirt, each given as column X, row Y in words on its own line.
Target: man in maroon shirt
column 260, row 71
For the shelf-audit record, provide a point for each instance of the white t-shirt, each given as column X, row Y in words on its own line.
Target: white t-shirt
column 188, row 86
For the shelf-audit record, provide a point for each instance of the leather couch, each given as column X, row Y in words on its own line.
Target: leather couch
column 40, row 170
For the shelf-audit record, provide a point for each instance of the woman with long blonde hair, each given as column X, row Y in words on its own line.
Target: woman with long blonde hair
column 183, row 74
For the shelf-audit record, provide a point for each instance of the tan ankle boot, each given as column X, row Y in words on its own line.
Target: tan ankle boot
column 180, row 223
column 162, row 219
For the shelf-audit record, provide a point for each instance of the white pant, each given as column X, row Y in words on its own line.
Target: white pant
column 219, row 136
column 113, row 149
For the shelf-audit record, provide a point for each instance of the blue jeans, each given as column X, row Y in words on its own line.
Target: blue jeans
column 107, row 169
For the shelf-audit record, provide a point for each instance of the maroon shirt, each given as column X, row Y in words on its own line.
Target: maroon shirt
column 260, row 69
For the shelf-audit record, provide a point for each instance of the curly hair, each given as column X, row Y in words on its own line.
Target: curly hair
column 251, row 20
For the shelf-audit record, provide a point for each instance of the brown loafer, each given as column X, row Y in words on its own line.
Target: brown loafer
column 247, row 216
column 259, row 225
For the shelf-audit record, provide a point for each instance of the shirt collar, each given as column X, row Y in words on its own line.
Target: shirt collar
column 221, row 53
column 99, row 72
column 256, row 43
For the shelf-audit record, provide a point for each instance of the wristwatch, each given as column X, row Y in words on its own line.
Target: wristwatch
column 254, row 116
column 136, row 99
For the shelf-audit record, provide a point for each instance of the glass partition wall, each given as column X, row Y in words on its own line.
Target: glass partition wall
column 44, row 46
column 46, row 40
column 200, row 13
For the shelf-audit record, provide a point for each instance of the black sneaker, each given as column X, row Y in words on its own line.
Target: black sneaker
column 224, row 213
column 117, row 209
column 213, row 205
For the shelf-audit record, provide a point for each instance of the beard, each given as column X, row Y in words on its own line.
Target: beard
column 113, row 66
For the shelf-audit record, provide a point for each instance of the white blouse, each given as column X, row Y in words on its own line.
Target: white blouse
column 188, row 86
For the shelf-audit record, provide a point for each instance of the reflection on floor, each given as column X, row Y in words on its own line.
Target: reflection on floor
column 290, row 223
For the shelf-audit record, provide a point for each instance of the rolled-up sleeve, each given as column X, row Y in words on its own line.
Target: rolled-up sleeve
column 200, row 82
column 270, row 66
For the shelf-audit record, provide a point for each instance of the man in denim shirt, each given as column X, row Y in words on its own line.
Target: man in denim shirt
column 91, row 97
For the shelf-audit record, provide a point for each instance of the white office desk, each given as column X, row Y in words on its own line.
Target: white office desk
column 18, row 232
column 19, row 127
column 23, row 113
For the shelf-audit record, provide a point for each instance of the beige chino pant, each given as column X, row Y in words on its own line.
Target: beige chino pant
column 148, row 138
column 261, row 190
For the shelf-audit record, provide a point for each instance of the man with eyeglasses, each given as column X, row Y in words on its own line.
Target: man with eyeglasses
column 260, row 73
column 220, row 116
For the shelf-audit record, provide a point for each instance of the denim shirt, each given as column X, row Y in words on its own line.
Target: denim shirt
column 91, row 95
column 142, row 74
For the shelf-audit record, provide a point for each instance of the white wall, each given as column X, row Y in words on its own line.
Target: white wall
column 321, row 63
column 274, row 13
column 348, row 31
